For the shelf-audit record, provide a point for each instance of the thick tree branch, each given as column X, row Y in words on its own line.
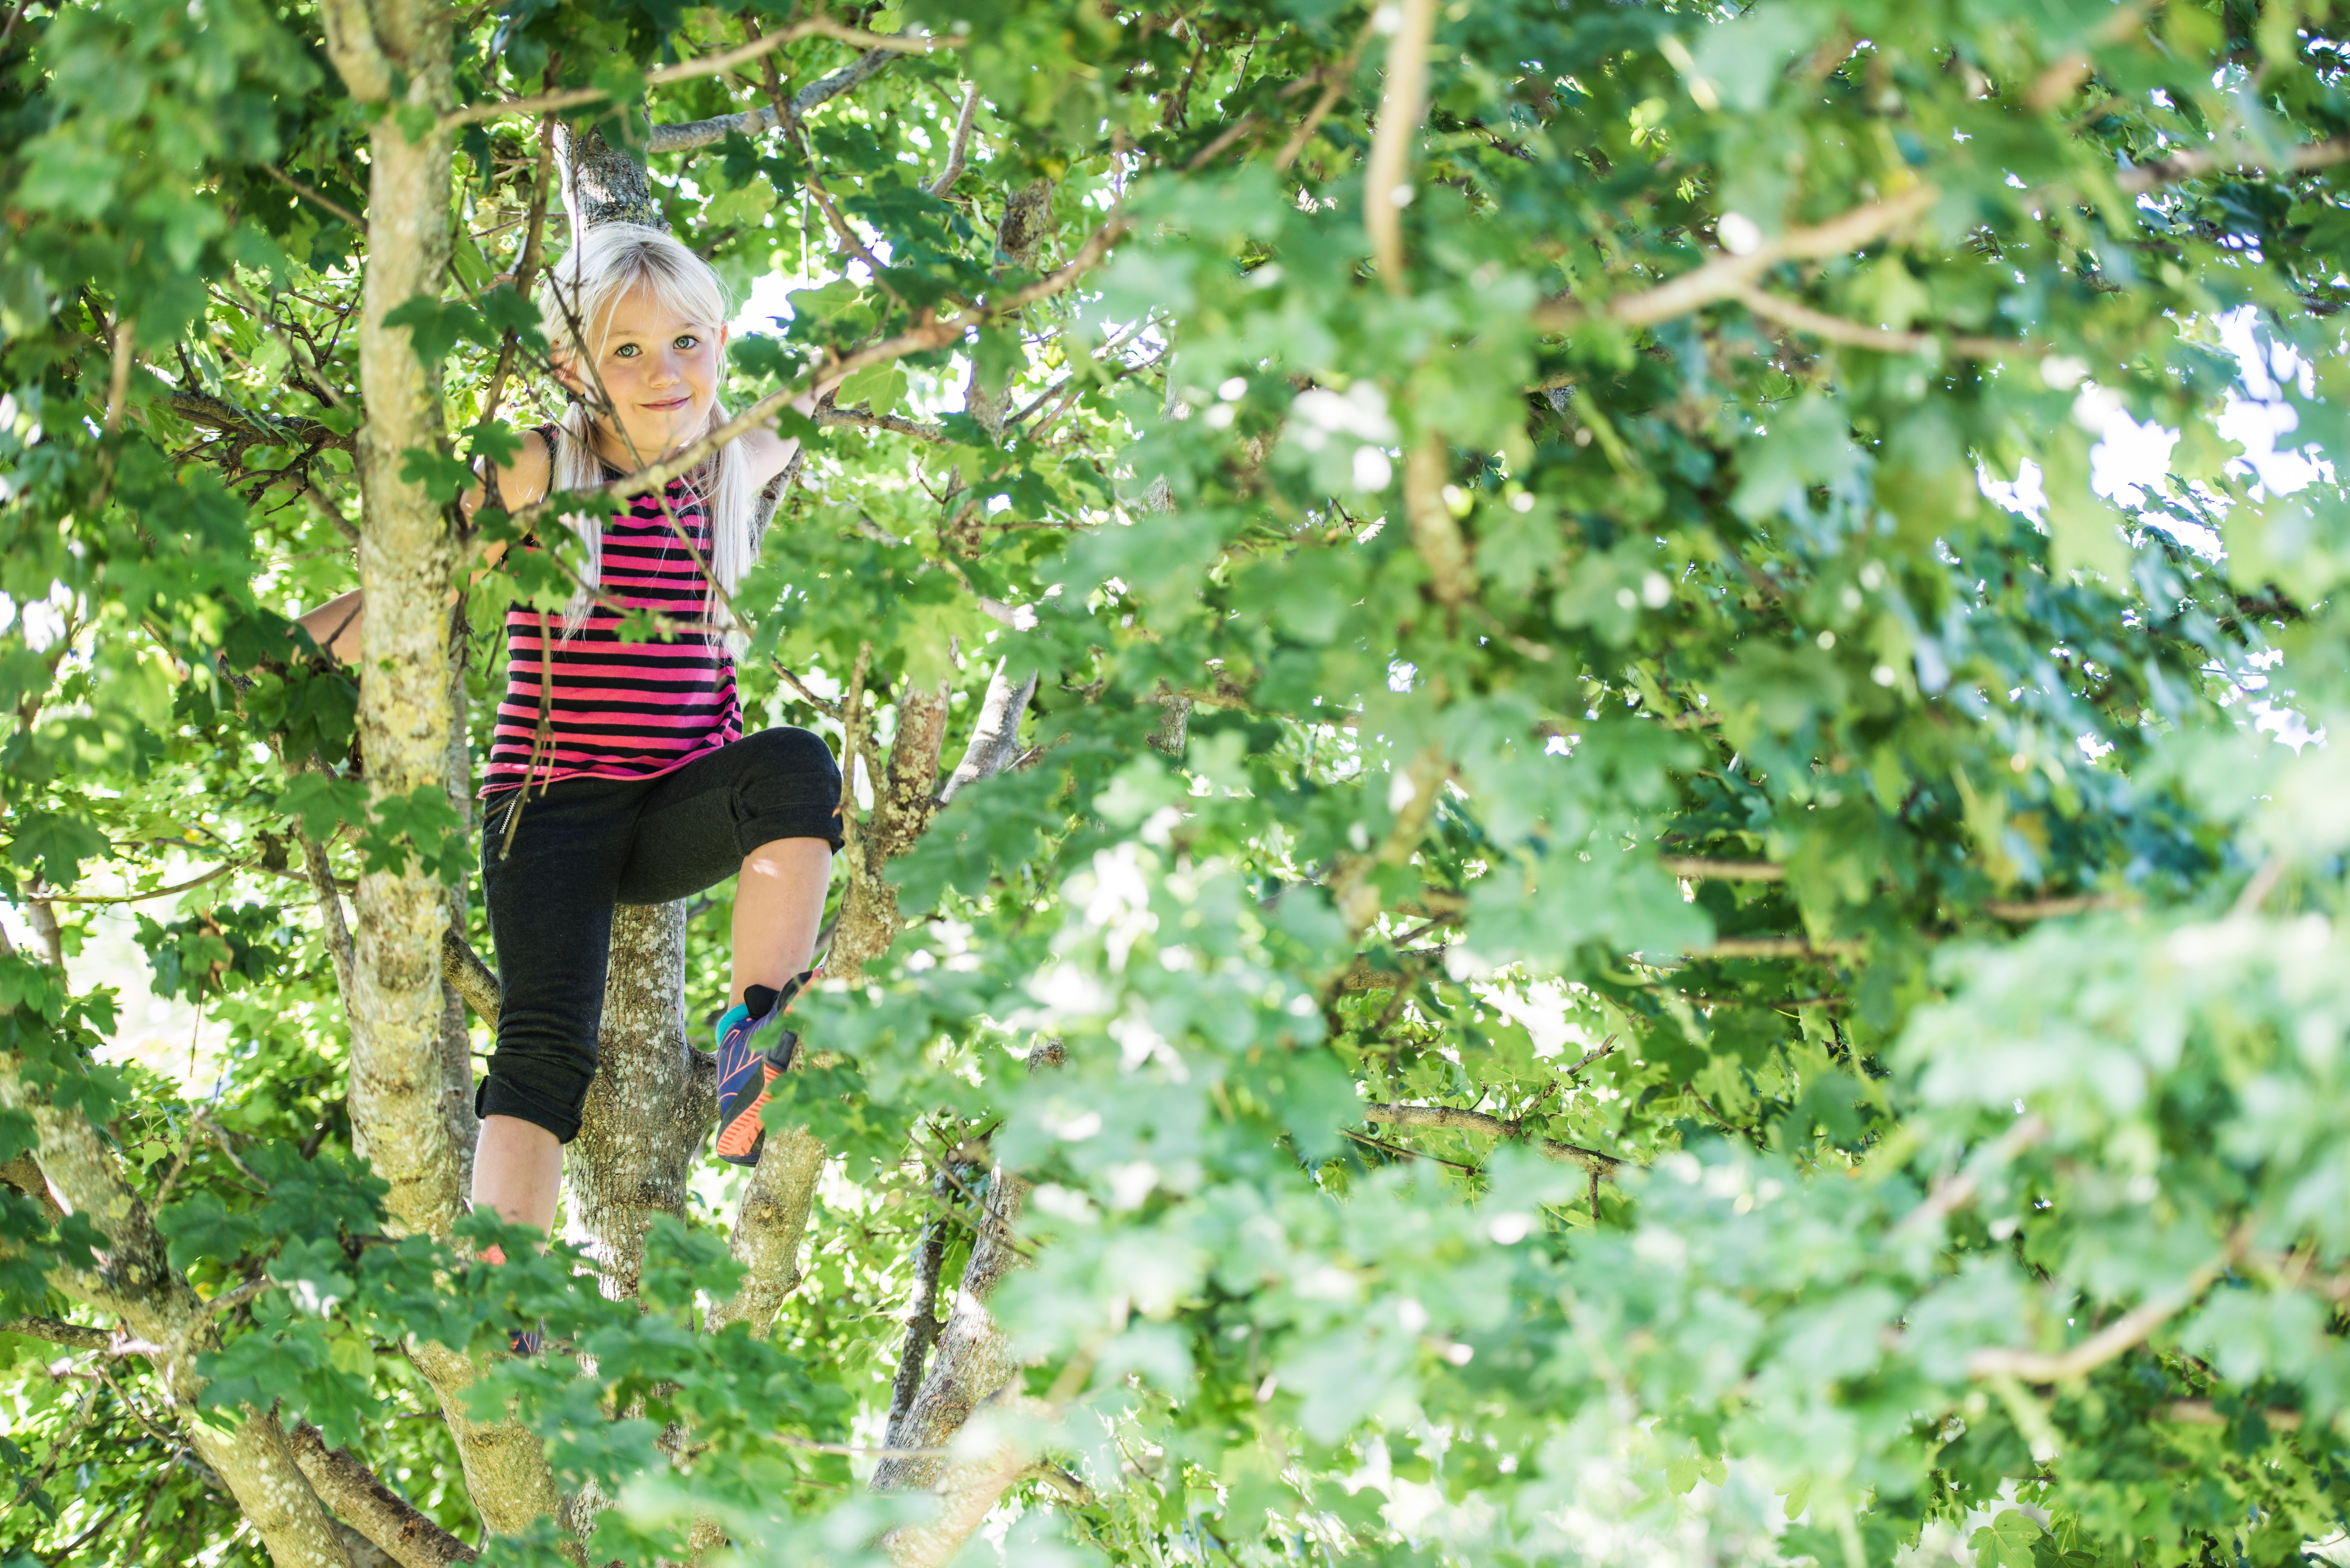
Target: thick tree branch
column 1386, row 173
column 769, row 1225
column 220, row 414
column 345, row 1483
column 352, row 45
column 506, row 1473
column 1002, row 1445
column 753, row 122
column 134, row 1282
column 960, row 146
column 2118, row 1338
column 995, row 734
column 707, row 65
column 474, row 980
column 906, row 800
column 974, row 1364
column 921, row 1319
column 58, row 1331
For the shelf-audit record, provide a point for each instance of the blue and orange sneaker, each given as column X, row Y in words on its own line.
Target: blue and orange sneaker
column 755, row 1048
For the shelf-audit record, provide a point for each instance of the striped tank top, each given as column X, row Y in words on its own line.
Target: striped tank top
column 619, row 709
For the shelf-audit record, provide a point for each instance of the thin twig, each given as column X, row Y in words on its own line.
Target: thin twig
column 307, row 193
column 1396, row 1149
column 960, row 146
column 211, row 876
column 1331, row 89
column 525, row 267
column 1592, row 1056
column 829, row 709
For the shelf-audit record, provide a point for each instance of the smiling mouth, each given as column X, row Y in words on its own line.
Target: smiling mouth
column 672, row 403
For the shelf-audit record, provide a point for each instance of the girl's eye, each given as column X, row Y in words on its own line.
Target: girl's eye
column 625, row 351
column 688, row 340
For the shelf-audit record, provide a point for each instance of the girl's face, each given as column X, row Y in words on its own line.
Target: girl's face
column 659, row 369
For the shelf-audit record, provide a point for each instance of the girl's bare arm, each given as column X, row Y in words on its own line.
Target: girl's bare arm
column 335, row 624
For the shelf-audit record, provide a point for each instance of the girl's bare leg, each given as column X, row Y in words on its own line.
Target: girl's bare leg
column 778, row 904
column 517, row 1171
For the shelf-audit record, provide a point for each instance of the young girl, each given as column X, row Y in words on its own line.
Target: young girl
column 632, row 778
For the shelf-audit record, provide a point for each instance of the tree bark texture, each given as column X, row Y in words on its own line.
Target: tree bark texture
column 995, row 1454
column 974, row 1356
column 381, row 1515
column 135, row 1282
column 603, row 184
column 456, row 1035
column 407, row 555
column 650, row 1105
column 995, row 741
column 769, row 1227
column 922, row 1324
column 1027, row 221
column 506, row 1473
column 902, row 810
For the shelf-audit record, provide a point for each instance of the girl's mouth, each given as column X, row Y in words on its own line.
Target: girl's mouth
column 672, row 404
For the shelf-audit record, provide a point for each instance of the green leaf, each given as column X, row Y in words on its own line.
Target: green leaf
column 2008, row 1540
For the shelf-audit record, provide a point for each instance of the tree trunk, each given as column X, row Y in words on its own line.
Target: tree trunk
column 649, row 1107
column 404, row 1051
column 407, row 553
column 975, row 1373
column 974, row 1357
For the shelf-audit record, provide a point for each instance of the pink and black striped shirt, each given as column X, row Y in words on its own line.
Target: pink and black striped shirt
column 621, row 709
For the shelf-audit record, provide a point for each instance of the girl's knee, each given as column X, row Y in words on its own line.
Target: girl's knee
column 791, row 751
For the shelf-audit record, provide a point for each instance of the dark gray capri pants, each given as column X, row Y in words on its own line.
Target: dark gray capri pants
column 589, row 844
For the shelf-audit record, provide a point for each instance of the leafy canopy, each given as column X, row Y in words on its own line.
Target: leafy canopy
column 1638, row 958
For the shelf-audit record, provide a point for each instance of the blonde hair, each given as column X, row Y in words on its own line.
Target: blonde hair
column 575, row 302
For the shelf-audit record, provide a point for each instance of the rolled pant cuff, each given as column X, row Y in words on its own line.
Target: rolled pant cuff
column 498, row 1096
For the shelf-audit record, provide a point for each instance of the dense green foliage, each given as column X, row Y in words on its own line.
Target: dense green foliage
column 2047, row 928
